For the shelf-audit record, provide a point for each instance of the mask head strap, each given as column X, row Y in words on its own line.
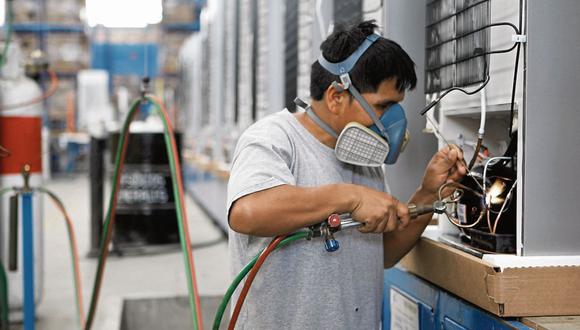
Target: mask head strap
column 299, row 102
column 347, row 65
column 342, row 70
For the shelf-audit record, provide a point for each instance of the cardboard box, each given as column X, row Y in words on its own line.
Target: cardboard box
column 172, row 43
column 175, row 12
column 26, row 11
column 63, row 11
column 508, row 292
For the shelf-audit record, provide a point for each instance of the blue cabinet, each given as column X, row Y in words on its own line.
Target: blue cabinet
column 435, row 308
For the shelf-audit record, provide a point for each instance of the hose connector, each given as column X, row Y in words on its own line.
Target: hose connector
column 145, row 87
column 26, row 177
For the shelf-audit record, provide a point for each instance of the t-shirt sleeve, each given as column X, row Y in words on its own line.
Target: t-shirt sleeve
column 258, row 164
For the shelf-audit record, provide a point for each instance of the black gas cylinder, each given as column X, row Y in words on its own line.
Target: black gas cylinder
column 146, row 212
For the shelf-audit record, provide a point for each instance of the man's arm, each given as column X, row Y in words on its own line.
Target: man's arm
column 286, row 208
column 397, row 244
column 445, row 166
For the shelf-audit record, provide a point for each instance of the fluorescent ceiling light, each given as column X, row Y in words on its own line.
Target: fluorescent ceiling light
column 124, row 13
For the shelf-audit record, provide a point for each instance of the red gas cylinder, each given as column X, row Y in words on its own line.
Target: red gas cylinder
column 20, row 136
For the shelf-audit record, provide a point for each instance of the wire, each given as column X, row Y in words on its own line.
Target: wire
column 9, row 21
column 458, row 185
column 473, row 32
column 508, row 197
column 456, row 223
column 251, row 276
column 440, row 136
column 488, row 221
column 500, row 51
column 485, row 170
column 438, row 99
column 74, row 253
column 450, row 217
column 232, row 288
column 481, row 131
column 49, row 92
column 476, row 153
column 513, row 100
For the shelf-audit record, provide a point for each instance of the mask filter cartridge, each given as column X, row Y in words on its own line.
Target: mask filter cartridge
column 359, row 145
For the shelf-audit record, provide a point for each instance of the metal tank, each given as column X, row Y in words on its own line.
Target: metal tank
column 21, row 135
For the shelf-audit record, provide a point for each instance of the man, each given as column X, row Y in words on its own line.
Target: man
column 285, row 176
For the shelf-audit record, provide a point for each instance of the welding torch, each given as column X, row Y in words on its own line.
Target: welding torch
column 336, row 222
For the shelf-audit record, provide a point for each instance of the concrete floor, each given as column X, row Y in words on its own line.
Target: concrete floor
column 160, row 275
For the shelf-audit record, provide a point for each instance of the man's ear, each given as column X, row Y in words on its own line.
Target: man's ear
column 336, row 98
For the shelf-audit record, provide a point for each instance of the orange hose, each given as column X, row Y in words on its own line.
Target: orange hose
column 49, row 92
column 271, row 247
column 77, row 272
column 185, row 222
column 109, row 232
column 70, row 112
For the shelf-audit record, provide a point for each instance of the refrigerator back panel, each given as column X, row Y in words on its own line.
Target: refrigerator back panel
column 452, row 45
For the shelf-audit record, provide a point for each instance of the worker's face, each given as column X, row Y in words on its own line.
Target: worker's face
column 386, row 95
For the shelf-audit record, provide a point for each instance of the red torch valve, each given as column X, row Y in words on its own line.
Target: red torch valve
column 334, row 221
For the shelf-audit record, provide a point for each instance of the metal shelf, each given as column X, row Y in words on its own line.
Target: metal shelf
column 495, row 110
column 47, row 27
column 181, row 27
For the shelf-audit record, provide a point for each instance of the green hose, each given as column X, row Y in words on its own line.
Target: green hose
column 5, row 190
column 10, row 16
column 3, row 298
column 180, row 215
column 224, row 304
column 100, row 266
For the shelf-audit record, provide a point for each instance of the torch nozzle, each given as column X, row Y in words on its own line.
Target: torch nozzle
column 336, row 223
column 416, row 211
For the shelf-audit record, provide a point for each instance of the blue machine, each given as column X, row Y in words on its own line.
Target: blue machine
column 436, row 308
column 124, row 59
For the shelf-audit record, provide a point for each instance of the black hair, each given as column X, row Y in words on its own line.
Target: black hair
column 384, row 60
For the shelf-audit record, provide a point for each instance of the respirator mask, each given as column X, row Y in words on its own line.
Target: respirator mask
column 372, row 146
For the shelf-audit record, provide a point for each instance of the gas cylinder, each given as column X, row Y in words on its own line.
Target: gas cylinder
column 20, row 134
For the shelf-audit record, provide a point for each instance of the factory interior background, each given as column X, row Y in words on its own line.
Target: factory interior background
column 119, row 122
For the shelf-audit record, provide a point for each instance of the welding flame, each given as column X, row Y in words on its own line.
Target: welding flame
column 496, row 189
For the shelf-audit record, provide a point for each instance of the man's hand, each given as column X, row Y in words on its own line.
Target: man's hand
column 447, row 165
column 380, row 212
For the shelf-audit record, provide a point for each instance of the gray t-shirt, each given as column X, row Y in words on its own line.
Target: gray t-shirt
column 302, row 286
